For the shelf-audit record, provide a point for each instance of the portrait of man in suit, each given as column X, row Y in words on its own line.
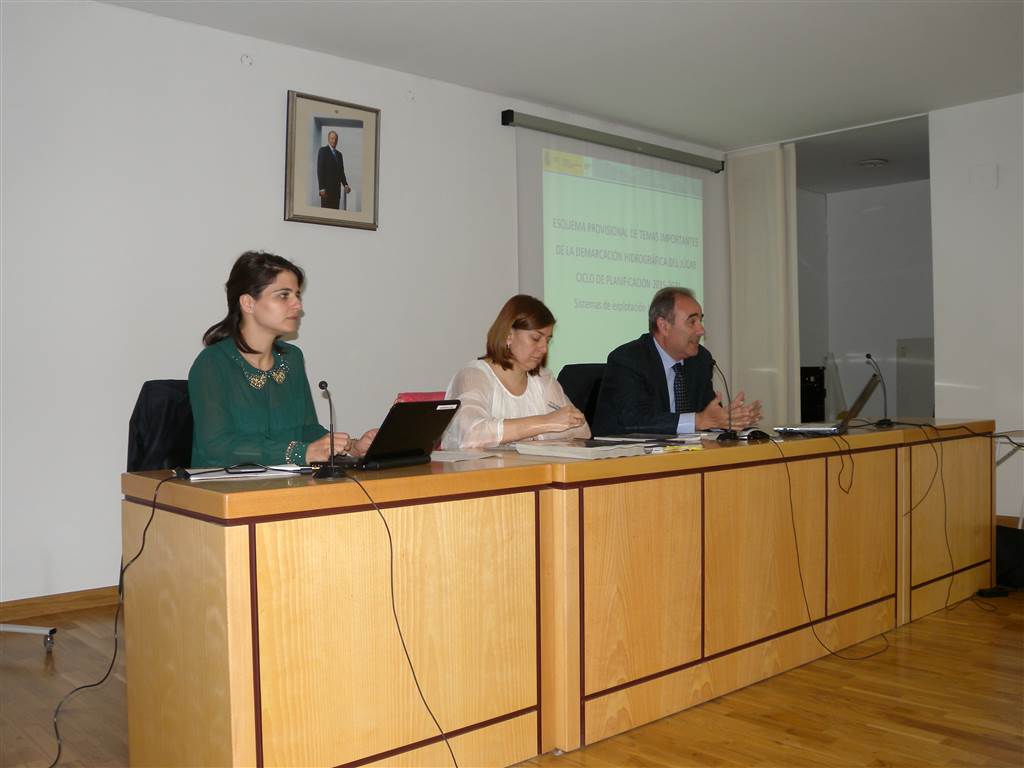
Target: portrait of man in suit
column 330, row 173
column 331, row 162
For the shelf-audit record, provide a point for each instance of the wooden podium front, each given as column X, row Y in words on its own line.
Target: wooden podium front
column 544, row 604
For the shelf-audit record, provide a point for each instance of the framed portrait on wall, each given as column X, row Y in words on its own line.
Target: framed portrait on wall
column 331, row 159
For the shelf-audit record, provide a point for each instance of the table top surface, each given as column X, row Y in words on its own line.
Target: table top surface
column 237, row 500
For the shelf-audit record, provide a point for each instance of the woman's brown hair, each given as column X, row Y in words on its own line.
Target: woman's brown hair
column 520, row 313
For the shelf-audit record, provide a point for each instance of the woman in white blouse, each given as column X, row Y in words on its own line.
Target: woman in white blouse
column 508, row 395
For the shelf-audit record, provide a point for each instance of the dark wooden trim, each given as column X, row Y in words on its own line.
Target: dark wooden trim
column 896, row 536
column 703, row 547
column 950, row 574
column 539, row 614
column 922, row 439
column 993, row 510
column 255, row 620
column 326, row 511
column 910, row 532
column 738, row 648
column 559, row 486
column 438, row 738
column 827, row 482
column 148, row 504
column 583, row 632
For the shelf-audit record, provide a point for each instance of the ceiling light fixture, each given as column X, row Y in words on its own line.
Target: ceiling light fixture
column 873, row 162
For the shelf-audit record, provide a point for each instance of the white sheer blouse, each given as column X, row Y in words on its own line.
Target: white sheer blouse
column 480, row 421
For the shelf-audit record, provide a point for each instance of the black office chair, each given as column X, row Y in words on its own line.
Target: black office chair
column 160, row 429
column 582, row 383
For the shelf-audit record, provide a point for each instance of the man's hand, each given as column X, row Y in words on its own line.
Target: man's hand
column 739, row 415
column 347, row 189
column 323, row 193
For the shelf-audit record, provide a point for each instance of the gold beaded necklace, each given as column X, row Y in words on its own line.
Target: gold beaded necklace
column 258, row 380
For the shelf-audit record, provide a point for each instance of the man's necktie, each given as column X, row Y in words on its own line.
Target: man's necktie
column 683, row 404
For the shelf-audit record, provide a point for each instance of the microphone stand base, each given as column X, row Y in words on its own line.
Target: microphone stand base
column 328, row 471
column 728, row 436
column 884, row 423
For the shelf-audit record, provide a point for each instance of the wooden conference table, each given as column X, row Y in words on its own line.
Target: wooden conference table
column 545, row 604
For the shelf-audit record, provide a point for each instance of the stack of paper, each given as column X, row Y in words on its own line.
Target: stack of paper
column 579, row 448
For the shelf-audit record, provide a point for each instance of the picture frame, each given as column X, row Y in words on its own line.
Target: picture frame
column 325, row 183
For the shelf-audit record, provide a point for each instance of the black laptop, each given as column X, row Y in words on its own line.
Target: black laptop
column 408, row 435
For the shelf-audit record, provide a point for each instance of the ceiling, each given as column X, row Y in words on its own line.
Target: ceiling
column 726, row 74
column 829, row 163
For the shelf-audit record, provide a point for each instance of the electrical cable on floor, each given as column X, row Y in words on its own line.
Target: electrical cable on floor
column 117, row 616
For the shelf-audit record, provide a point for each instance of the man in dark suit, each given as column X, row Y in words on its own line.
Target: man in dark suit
column 661, row 382
column 330, row 173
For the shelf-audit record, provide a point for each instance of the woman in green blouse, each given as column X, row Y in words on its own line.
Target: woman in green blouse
column 250, row 397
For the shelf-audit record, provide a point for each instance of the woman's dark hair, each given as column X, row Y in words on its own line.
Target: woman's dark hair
column 520, row 313
column 253, row 271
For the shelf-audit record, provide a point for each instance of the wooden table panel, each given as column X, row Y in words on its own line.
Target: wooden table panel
column 862, row 508
column 947, row 592
column 641, row 571
column 618, row 591
column 625, row 709
column 752, row 582
column 965, row 519
column 560, row 619
column 465, row 591
column 188, row 643
column 259, row 496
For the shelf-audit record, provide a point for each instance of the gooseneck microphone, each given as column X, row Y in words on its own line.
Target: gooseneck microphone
column 329, row 469
column 885, row 421
column 729, row 434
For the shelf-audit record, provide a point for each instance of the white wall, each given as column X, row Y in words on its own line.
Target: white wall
column 880, row 281
column 977, row 203
column 812, row 250
column 140, row 157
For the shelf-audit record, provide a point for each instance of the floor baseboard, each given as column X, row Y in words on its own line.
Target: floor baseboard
column 32, row 607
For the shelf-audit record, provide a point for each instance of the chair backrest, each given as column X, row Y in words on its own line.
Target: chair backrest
column 582, row 384
column 160, row 429
column 418, row 397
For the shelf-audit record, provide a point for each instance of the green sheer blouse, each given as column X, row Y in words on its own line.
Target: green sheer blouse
column 243, row 414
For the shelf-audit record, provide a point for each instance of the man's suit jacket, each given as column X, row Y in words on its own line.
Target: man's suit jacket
column 330, row 174
column 634, row 391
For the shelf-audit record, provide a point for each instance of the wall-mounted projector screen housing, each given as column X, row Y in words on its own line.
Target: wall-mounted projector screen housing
column 600, row 230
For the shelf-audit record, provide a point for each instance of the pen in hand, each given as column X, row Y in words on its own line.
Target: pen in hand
column 553, row 406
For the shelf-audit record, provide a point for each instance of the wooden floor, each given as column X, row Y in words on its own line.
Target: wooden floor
column 948, row 691
column 94, row 723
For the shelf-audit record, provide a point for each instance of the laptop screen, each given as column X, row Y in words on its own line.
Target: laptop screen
column 411, row 429
column 859, row 403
